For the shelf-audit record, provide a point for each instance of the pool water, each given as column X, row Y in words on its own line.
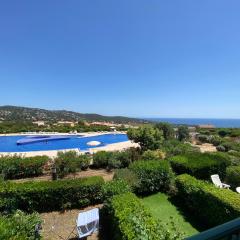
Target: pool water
column 8, row 143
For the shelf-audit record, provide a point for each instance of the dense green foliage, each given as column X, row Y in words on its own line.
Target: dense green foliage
column 112, row 160
column 152, row 155
column 101, row 158
column 175, row 147
column 212, row 205
column 129, row 219
column 13, row 167
column 153, row 176
column 167, row 129
column 115, row 187
column 128, row 176
column 70, row 162
column 49, row 196
column 19, row 226
column 213, row 139
column 149, row 137
column 183, row 133
column 233, row 176
column 200, row 165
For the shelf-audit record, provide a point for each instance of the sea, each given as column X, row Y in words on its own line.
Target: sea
column 219, row 123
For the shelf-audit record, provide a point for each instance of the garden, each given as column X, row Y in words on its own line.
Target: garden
column 161, row 191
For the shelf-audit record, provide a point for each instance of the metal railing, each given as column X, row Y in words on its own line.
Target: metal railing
column 226, row 231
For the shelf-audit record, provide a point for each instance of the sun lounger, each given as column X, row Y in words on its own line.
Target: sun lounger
column 87, row 222
column 217, row 182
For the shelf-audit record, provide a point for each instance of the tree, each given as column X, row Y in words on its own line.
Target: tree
column 183, row 133
column 167, row 129
column 147, row 136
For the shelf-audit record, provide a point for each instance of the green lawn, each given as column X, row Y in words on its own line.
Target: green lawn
column 163, row 209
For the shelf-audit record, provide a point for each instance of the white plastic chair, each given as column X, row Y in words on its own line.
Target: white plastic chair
column 217, row 182
column 87, row 222
column 238, row 189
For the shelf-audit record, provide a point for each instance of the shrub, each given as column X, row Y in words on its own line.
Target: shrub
column 134, row 153
column 212, row 205
column 233, row 176
column 115, row 187
column 183, row 133
column 147, row 136
column 19, row 226
column 127, row 175
column 101, row 158
column 174, row 147
column 113, row 163
column 112, row 160
column 230, row 145
column 49, row 196
column 130, row 220
column 70, row 162
column 123, row 157
column 234, row 157
column 203, row 138
column 221, row 148
column 153, row 176
column 14, row 167
column 213, row 139
column 153, row 155
column 200, row 165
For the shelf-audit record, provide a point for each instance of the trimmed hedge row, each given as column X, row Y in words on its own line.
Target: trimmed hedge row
column 19, row 226
column 200, row 165
column 115, row 187
column 48, row 196
column 214, row 206
column 153, row 176
column 130, row 220
column 14, row 167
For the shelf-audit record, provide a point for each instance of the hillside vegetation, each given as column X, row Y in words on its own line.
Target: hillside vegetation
column 15, row 113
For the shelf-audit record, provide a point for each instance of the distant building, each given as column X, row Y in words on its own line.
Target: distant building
column 206, row 126
column 192, row 129
column 66, row 123
column 39, row 123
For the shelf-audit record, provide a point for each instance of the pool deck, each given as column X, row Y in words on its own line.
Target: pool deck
column 53, row 153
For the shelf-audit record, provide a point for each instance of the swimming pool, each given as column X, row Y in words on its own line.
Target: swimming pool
column 9, row 143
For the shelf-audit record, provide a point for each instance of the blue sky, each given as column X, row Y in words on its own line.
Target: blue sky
column 131, row 57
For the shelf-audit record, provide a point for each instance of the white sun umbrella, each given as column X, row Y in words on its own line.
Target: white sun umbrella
column 93, row 143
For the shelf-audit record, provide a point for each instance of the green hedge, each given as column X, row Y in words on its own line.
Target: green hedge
column 200, row 165
column 128, row 176
column 19, row 226
column 130, row 220
column 49, row 196
column 153, row 176
column 212, row 205
column 14, row 167
column 115, row 187
column 233, row 176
